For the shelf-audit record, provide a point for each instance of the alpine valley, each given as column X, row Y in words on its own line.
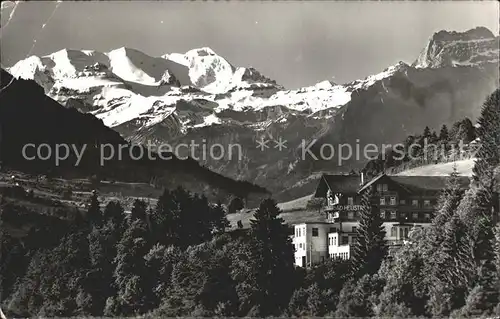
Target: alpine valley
column 200, row 96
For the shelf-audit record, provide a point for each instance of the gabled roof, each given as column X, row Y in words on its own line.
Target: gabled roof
column 432, row 183
column 370, row 183
column 338, row 184
column 351, row 183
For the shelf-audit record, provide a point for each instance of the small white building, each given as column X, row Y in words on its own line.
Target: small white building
column 316, row 241
column 340, row 245
column 310, row 242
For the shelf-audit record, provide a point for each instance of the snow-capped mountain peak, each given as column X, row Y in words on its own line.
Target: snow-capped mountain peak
column 199, row 94
column 207, row 70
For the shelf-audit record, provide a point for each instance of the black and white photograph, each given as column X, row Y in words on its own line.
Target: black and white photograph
column 256, row 159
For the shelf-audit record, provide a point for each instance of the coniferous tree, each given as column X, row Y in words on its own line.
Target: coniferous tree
column 54, row 280
column 165, row 219
column 427, row 132
column 487, row 162
column 319, row 290
column 114, row 213
column 404, row 294
column 358, row 298
column 160, row 261
column 219, row 222
column 273, row 259
column 463, row 131
column 305, row 302
column 94, row 214
column 130, row 275
column 235, row 204
column 497, row 265
column 102, row 252
column 497, row 251
column 434, row 137
column 483, row 298
column 447, row 205
column 212, row 293
column 443, row 134
column 449, row 272
column 198, row 225
column 445, row 254
column 370, row 247
column 138, row 210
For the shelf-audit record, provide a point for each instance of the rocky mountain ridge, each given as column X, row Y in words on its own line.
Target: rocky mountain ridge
column 200, row 96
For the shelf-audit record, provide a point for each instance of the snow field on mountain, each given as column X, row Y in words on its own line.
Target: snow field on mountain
column 127, row 84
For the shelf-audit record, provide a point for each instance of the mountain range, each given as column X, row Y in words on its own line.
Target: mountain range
column 28, row 116
column 200, row 96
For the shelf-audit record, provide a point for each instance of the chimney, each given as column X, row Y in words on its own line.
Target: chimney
column 362, row 178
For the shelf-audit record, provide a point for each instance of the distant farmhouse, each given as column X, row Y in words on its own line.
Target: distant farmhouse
column 403, row 202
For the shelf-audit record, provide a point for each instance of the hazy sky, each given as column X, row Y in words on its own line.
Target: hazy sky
column 297, row 43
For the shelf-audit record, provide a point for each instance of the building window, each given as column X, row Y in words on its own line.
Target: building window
column 414, row 202
column 405, row 232
column 393, row 200
column 414, row 215
column 382, row 213
column 394, row 232
column 402, row 201
column 350, row 215
column 385, row 187
column 315, row 232
column 345, row 240
column 382, row 201
column 379, row 187
column 333, row 229
column 402, row 215
column 299, row 232
column 393, row 214
column 353, row 229
column 350, row 201
column 335, row 241
column 427, row 216
column 427, row 203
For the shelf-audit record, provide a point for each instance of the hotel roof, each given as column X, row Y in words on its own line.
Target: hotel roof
column 338, row 184
column 352, row 183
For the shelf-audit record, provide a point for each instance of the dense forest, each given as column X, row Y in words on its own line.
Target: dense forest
column 178, row 259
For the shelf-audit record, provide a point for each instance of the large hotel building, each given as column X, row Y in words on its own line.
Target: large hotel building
column 403, row 202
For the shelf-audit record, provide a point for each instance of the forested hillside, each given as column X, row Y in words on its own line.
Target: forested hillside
column 428, row 147
column 177, row 259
